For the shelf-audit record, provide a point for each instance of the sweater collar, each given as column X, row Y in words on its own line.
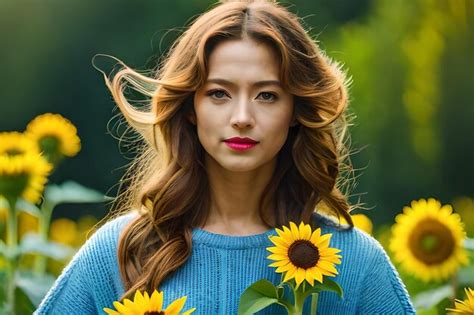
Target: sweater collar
column 225, row 241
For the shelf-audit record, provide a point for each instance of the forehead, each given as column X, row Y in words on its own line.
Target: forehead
column 241, row 59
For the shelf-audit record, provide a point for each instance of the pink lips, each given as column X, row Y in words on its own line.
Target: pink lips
column 240, row 144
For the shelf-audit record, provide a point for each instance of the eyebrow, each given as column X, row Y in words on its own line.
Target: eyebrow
column 256, row 84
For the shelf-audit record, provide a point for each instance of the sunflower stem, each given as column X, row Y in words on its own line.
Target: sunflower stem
column 314, row 303
column 454, row 286
column 299, row 299
column 12, row 244
column 44, row 222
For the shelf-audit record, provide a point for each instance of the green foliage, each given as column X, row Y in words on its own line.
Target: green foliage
column 71, row 192
column 327, row 285
column 429, row 299
column 31, row 243
column 263, row 293
column 257, row 297
column 34, row 286
column 23, row 305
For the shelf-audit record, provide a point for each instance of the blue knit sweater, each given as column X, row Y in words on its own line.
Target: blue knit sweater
column 221, row 267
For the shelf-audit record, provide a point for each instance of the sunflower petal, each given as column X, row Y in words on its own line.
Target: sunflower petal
column 290, row 274
column 110, row 311
column 317, row 274
column 279, row 263
column 156, row 300
column 285, row 268
column 309, row 277
column 294, row 231
column 280, row 241
column 189, row 311
column 305, row 231
column 324, row 240
column 315, row 236
column 327, row 266
column 283, row 234
column 120, row 307
column 277, row 257
column 176, row 305
column 278, row 250
column 300, row 275
column 138, row 299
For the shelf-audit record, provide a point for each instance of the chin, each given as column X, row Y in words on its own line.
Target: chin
column 238, row 167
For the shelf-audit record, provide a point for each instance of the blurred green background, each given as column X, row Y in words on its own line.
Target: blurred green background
column 410, row 61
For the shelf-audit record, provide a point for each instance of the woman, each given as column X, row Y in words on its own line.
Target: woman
column 244, row 133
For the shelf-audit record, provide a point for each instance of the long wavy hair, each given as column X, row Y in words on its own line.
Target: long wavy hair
column 167, row 182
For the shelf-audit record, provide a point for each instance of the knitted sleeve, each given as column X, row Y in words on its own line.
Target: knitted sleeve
column 72, row 292
column 383, row 292
column 69, row 294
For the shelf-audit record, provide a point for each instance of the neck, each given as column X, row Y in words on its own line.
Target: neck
column 235, row 198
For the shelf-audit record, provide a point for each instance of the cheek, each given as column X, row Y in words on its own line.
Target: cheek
column 276, row 132
column 206, row 123
column 281, row 122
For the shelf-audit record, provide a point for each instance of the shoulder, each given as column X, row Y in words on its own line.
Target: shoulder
column 103, row 243
column 113, row 227
column 89, row 269
column 110, row 231
column 365, row 261
column 359, row 249
column 351, row 236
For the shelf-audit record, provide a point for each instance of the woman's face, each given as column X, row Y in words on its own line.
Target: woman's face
column 242, row 98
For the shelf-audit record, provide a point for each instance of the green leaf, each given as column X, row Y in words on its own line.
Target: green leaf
column 465, row 276
column 432, row 311
column 257, row 296
column 10, row 253
column 428, row 299
column 327, row 285
column 469, row 243
column 25, row 206
column 3, row 307
column 3, row 204
column 2, row 291
column 72, row 192
column 32, row 243
column 280, row 291
column 35, row 287
column 23, row 304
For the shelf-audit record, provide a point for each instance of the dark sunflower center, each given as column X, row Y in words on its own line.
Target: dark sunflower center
column 303, row 254
column 13, row 152
column 154, row 313
column 431, row 242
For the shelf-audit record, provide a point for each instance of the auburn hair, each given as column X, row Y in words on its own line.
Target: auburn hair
column 167, row 182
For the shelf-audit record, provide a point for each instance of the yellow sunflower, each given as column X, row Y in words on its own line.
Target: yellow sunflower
column 303, row 254
column 14, row 143
column 27, row 223
column 361, row 221
column 23, row 175
column 465, row 307
column 465, row 207
column 145, row 304
column 64, row 231
column 427, row 240
column 55, row 135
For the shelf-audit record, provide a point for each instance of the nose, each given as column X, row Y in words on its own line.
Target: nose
column 242, row 114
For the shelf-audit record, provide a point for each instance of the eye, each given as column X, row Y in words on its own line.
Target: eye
column 268, row 96
column 217, row 94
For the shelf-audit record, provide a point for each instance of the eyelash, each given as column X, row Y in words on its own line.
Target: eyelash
column 213, row 92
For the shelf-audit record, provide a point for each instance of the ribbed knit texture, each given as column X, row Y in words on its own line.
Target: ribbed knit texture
column 221, row 267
